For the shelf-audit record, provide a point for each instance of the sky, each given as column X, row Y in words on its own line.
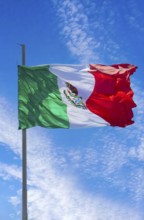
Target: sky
column 73, row 174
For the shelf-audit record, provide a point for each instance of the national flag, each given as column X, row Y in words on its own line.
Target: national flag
column 74, row 96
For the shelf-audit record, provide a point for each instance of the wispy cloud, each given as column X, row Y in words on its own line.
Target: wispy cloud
column 94, row 31
column 88, row 29
column 135, row 15
column 10, row 171
column 74, row 26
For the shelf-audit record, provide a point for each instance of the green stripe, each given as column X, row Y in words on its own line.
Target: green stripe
column 39, row 99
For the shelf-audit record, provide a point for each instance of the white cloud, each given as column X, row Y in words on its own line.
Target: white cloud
column 135, row 15
column 74, row 26
column 8, row 132
column 16, row 200
column 10, row 171
column 89, row 29
column 94, row 31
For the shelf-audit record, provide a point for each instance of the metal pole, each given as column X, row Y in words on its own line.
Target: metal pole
column 24, row 160
column 24, row 175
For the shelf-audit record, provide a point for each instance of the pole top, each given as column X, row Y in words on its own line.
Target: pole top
column 23, row 53
column 22, row 45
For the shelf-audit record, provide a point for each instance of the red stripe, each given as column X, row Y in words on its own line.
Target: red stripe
column 111, row 98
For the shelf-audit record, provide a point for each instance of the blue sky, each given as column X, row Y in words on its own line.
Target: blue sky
column 82, row 174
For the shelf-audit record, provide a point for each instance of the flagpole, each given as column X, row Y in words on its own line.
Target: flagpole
column 24, row 159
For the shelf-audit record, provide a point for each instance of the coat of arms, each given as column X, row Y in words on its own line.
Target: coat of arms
column 71, row 94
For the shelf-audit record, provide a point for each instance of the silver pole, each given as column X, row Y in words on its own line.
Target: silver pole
column 24, row 160
column 24, row 175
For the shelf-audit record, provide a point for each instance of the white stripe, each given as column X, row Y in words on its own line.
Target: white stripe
column 84, row 82
column 76, row 75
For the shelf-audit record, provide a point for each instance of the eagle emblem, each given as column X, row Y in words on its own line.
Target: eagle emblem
column 71, row 93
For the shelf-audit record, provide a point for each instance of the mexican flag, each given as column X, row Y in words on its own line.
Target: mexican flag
column 74, row 96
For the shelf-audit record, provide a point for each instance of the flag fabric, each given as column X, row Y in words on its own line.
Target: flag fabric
column 74, row 96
